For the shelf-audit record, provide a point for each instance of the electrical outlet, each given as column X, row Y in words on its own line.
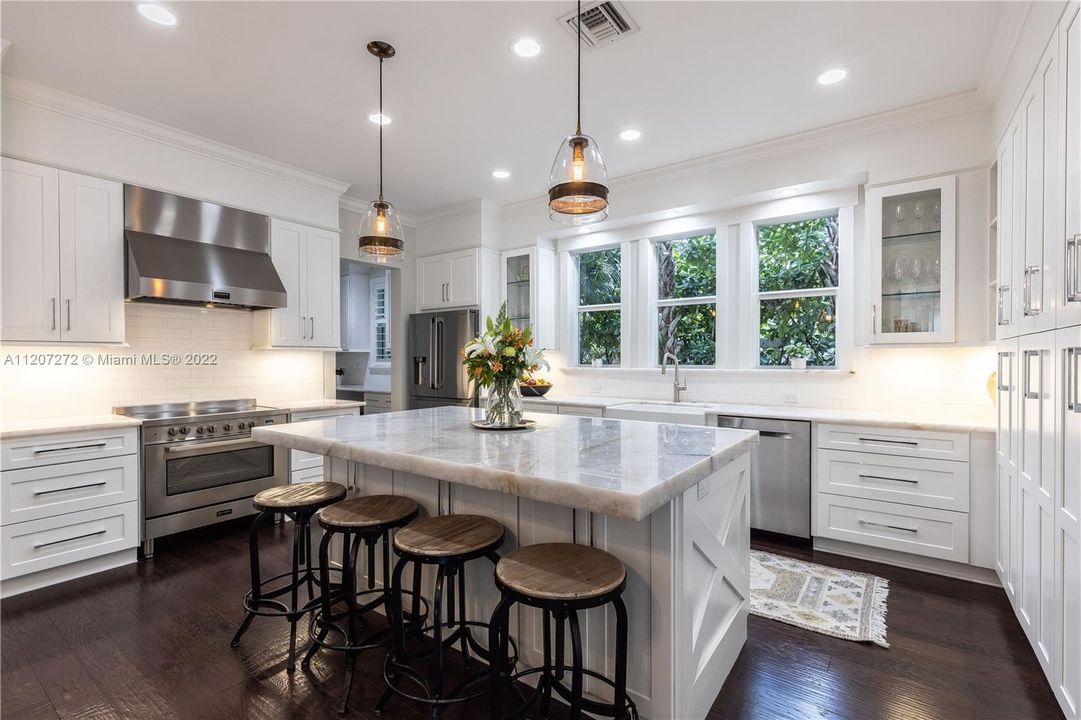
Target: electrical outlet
column 596, row 389
column 790, row 399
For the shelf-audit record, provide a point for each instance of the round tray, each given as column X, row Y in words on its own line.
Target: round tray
column 483, row 425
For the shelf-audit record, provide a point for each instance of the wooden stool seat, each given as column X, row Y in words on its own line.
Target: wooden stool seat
column 560, row 571
column 301, row 495
column 368, row 511
column 446, row 535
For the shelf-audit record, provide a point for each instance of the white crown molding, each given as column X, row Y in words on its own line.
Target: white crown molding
column 939, row 109
column 47, row 98
column 1011, row 20
column 453, row 212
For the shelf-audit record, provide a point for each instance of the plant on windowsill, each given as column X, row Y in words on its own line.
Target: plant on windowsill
column 798, row 353
column 497, row 360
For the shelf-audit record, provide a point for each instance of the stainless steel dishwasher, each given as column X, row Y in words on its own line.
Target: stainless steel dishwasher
column 780, row 474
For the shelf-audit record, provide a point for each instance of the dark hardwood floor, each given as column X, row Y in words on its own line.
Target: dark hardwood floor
column 152, row 641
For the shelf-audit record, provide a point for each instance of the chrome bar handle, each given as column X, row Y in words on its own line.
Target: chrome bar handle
column 998, row 372
column 891, row 479
column 311, row 335
column 38, row 546
column 999, row 319
column 891, row 527
column 1073, row 268
column 1073, row 374
column 54, row 315
column 1007, row 304
column 68, row 303
column 303, row 327
column 1026, row 375
column 874, row 319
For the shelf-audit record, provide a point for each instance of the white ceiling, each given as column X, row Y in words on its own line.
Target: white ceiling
column 293, row 81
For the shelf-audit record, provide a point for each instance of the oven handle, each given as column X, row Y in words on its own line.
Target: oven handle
column 201, row 448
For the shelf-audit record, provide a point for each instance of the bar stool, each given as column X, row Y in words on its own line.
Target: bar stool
column 366, row 519
column 560, row 579
column 299, row 502
column 448, row 542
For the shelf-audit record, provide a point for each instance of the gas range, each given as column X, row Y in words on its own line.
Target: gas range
column 200, row 465
column 181, row 422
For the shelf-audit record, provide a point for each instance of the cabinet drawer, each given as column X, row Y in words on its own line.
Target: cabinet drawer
column 914, row 481
column 51, row 490
column 314, row 474
column 581, row 410
column 38, row 450
column 380, row 400
column 41, row 544
column 303, row 460
column 306, row 415
column 540, row 407
column 889, row 441
column 906, row 528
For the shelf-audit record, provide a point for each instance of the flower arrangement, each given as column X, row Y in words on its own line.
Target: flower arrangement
column 497, row 360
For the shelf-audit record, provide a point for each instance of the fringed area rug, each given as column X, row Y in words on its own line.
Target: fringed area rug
column 841, row 603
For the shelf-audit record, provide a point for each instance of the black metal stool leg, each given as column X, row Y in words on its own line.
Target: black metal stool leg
column 394, row 613
column 294, row 593
column 620, row 699
column 560, row 633
column 546, row 676
column 349, row 583
column 437, row 629
column 461, row 610
column 324, row 586
column 253, row 550
column 576, row 670
column 498, row 634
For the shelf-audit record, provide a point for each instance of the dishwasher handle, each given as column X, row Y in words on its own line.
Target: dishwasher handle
column 775, row 434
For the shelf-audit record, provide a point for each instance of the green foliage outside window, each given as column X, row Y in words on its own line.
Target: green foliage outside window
column 599, row 284
column 687, row 268
column 797, row 256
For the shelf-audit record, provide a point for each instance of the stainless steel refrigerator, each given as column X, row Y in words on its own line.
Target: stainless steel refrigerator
column 436, row 373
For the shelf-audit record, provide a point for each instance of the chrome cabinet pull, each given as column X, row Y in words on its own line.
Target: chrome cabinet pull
column 303, row 327
column 54, row 315
column 886, row 525
column 891, row 479
column 1030, row 309
column 1001, row 386
column 1007, row 304
column 311, row 335
column 65, row 489
column 909, row 443
column 1073, row 268
column 999, row 319
column 874, row 319
column 1026, row 375
column 1073, row 374
column 68, row 302
column 70, row 447
column 77, row 537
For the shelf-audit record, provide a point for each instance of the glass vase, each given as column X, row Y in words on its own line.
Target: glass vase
column 503, row 408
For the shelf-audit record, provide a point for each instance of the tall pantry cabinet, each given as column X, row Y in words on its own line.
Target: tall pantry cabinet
column 1036, row 228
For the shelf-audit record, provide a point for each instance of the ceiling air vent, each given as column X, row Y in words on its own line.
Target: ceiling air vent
column 602, row 23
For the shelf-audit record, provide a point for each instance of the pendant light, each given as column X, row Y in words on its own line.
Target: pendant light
column 381, row 228
column 577, row 185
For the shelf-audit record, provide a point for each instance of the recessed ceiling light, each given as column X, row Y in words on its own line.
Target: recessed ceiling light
column 630, row 134
column 526, row 47
column 789, row 191
column 831, row 76
column 501, row 174
column 670, row 213
column 157, row 14
column 379, row 119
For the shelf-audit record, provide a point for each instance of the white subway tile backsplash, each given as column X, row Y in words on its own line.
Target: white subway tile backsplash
column 240, row 372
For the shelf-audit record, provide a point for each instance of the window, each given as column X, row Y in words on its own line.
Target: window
column 687, row 299
column 797, row 292
column 380, row 317
column 598, row 301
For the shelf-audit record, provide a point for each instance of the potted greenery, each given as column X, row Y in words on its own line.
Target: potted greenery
column 497, row 360
column 797, row 354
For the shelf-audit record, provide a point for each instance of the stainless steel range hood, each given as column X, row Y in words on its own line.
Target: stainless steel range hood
column 187, row 251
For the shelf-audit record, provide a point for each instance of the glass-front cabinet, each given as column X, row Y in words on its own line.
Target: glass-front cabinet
column 911, row 232
column 529, row 288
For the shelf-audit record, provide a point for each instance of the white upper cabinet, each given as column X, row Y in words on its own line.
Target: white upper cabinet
column 1067, row 256
column 450, row 280
column 1003, row 231
column 63, row 256
column 1042, row 199
column 306, row 259
column 911, row 229
column 528, row 280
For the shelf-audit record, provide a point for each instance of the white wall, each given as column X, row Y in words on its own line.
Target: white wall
column 46, row 126
column 237, row 371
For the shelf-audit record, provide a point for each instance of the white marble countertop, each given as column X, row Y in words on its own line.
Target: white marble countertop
column 317, row 404
column 622, row 468
column 980, row 420
column 72, row 423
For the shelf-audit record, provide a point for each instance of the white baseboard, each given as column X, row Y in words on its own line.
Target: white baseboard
column 960, row 571
column 63, row 573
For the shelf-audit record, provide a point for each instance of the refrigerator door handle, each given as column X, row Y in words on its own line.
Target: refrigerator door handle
column 439, row 350
column 431, row 354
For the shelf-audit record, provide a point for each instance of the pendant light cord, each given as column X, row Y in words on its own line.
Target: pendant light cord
column 381, row 117
column 579, row 130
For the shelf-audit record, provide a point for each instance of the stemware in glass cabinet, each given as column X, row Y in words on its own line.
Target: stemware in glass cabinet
column 518, row 286
column 911, row 245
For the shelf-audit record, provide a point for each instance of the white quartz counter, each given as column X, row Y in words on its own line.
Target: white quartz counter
column 622, row 468
column 72, row 423
column 979, row 420
column 317, row 404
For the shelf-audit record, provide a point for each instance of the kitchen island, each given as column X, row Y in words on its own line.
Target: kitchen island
column 670, row 501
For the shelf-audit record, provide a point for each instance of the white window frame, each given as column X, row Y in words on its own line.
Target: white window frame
column 654, row 303
column 377, row 321
column 752, row 297
column 576, row 310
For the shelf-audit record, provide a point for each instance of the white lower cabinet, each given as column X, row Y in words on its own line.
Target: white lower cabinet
column 1066, row 668
column 70, row 506
column 1006, row 464
column 917, row 530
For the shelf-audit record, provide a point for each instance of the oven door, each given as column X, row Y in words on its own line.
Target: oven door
column 185, row 476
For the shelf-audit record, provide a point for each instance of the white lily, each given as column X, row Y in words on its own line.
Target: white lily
column 535, row 357
column 485, row 343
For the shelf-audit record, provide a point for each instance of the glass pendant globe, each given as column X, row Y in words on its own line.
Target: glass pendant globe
column 381, row 231
column 578, row 182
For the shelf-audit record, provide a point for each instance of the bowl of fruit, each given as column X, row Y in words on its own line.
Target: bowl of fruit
column 534, row 387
